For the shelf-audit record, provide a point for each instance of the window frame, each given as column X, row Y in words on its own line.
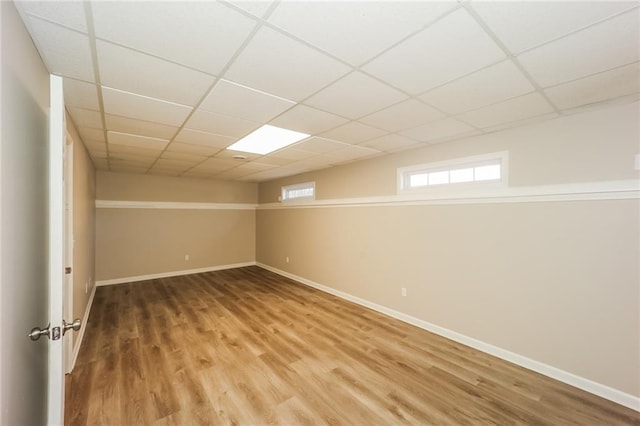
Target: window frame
column 304, row 185
column 501, row 157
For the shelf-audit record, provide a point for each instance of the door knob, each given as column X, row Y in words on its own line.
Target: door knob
column 75, row 325
column 36, row 332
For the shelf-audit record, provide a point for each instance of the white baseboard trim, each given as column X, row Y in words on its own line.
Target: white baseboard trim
column 172, row 274
column 579, row 382
column 83, row 328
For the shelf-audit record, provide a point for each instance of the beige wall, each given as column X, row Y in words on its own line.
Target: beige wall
column 556, row 282
column 592, row 146
column 136, row 242
column 84, row 220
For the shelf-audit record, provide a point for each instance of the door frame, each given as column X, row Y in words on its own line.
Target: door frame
column 57, row 139
column 68, row 249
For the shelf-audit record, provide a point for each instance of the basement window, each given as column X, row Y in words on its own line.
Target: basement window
column 300, row 191
column 489, row 169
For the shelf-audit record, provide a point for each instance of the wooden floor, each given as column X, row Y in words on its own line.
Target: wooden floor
column 249, row 347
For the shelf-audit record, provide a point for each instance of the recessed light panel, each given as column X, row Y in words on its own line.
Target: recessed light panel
column 267, row 139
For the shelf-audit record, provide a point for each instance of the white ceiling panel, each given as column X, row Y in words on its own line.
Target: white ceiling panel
column 353, row 132
column 279, row 65
column 121, row 124
column 68, row 13
column 240, row 101
column 195, row 137
column 183, row 156
column 302, row 118
column 89, row 134
column 522, row 25
column 87, row 117
column 256, row 8
column 439, row 129
column 176, row 164
column 352, row 30
column 153, row 77
column 187, row 148
column 405, row 115
column 175, row 32
column 220, row 124
column 609, row 84
column 320, row 145
column 519, row 108
column 274, row 161
column 66, row 52
column 126, row 151
column 293, row 154
column 215, row 164
column 118, row 102
column 351, row 153
column 355, row 95
column 450, row 48
column 598, row 48
column 95, row 145
column 485, row 87
column 227, row 153
column 80, row 94
column 136, row 141
column 390, row 143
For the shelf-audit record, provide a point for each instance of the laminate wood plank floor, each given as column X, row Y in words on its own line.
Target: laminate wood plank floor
column 249, row 347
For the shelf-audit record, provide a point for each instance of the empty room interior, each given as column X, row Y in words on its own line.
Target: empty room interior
column 334, row 212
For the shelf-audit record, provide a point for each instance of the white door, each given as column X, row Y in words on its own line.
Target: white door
column 68, row 251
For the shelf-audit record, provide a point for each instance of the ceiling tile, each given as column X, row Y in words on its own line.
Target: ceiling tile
column 490, row 85
column 132, row 158
column 450, row 48
column 407, row 114
column 80, row 94
column 319, row 145
column 607, row 85
column 256, row 8
column 293, row 154
column 121, row 124
column 229, row 154
column 217, row 164
column 351, row 153
column 66, row 52
column 437, row 130
column 234, row 173
column 519, row 108
column 277, row 64
column 117, row 150
column 390, row 143
column 240, row 101
column 118, row 102
column 302, row 118
column 274, row 161
column 150, row 76
column 88, row 134
column 101, row 164
column 85, row 117
column 220, row 124
column 203, row 35
column 174, row 164
column 522, row 25
column 116, row 138
column 598, row 48
column 67, row 13
column 358, row 30
column 211, row 140
column 355, row 95
column 524, row 122
column 254, row 167
column 353, row 132
column 172, row 155
column 178, row 147
column 94, row 146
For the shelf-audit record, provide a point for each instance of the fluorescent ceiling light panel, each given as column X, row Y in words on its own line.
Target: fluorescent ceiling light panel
column 267, row 139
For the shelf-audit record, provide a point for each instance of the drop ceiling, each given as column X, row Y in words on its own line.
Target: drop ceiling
column 164, row 87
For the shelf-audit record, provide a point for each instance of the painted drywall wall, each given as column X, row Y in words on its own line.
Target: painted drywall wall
column 148, row 241
column 555, row 281
column 23, row 261
column 84, row 219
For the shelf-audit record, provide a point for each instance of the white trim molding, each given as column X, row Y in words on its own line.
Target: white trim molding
column 83, row 328
column 585, row 384
column 583, row 191
column 175, row 205
column 172, row 274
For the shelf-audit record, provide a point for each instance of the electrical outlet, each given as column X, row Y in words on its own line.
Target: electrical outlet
column 186, row 257
column 404, row 291
column 287, row 259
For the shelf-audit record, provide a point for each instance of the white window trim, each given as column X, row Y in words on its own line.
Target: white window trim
column 476, row 160
column 304, row 185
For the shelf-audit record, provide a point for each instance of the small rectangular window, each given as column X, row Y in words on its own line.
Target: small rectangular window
column 299, row 191
column 459, row 172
